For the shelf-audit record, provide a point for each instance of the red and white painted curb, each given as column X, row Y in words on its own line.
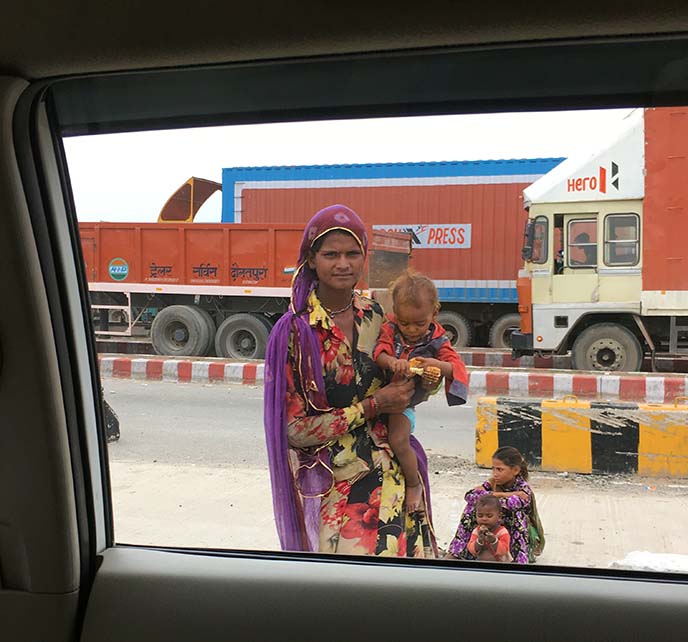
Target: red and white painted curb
column 508, row 382
column 482, row 358
column 181, row 371
column 623, row 387
column 477, row 357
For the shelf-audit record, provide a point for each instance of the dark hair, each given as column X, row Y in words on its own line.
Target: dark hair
column 512, row 457
column 485, row 501
column 411, row 287
column 317, row 244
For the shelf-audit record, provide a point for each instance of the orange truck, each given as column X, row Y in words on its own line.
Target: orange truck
column 606, row 258
column 196, row 289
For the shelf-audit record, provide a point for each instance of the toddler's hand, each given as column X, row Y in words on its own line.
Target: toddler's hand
column 400, row 367
column 431, row 376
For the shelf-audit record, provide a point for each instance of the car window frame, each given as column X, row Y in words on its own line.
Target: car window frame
column 69, row 115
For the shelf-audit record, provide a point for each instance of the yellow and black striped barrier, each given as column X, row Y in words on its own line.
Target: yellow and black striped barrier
column 585, row 436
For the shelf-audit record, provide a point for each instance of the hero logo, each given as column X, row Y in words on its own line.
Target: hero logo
column 595, row 183
column 435, row 236
column 118, row 269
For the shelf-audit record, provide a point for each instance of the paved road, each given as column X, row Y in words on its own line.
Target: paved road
column 223, row 424
column 190, row 470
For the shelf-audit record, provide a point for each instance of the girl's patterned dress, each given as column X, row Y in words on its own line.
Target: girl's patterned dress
column 515, row 513
column 363, row 512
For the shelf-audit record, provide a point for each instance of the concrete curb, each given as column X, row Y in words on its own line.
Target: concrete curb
column 649, row 388
column 626, row 387
column 181, row 371
column 478, row 357
column 502, row 359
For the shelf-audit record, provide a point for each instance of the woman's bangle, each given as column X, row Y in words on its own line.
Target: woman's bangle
column 373, row 405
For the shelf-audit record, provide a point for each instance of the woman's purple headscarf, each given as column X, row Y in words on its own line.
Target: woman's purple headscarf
column 297, row 519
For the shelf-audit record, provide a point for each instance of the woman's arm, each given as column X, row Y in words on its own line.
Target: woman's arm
column 474, row 493
column 517, row 499
column 304, row 430
column 512, row 493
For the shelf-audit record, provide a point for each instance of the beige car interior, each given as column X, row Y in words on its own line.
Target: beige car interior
column 77, row 68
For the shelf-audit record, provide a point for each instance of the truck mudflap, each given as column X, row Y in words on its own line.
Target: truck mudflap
column 521, row 344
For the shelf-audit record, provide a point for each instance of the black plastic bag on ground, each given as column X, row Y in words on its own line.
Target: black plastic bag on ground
column 111, row 422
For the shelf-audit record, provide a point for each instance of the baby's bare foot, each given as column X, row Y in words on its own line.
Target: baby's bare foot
column 414, row 498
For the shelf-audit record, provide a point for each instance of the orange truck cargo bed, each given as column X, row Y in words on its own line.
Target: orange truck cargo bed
column 165, row 257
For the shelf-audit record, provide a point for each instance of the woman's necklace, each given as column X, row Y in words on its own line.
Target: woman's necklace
column 334, row 313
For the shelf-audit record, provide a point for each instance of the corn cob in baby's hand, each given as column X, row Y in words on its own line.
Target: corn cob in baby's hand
column 431, row 374
column 415, row 367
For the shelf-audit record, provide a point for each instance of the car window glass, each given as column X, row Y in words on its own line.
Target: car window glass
column 190, row 240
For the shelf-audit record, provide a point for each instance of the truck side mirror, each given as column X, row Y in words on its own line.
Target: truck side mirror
column 528, row 238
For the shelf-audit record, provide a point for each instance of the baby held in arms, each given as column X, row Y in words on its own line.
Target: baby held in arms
column 411, row 343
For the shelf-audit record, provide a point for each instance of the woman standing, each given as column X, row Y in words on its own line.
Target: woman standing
column 337, row 487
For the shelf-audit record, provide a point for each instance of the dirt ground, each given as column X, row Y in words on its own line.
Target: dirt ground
column 589, row 520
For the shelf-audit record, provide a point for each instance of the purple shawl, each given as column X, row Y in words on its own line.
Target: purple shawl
column 298, row 518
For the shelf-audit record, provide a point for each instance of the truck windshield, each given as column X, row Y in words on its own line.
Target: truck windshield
column 540, row 230
column 535, row 240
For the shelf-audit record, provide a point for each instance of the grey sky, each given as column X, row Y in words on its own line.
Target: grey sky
column 128, row 177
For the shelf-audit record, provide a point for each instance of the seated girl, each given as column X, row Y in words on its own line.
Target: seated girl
column 509, row 484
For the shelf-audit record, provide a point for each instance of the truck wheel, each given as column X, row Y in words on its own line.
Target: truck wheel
column 180, row 331
column 502, row 329
column 208, row 320
column 458, row 328
column 606, row 346
column 266, row 322
column 241, row 336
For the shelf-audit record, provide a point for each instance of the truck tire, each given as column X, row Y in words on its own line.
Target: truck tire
column 501, row 330
column 607, row 346
column 208, row 320
column 180, row 331
column 458, row 328
column 266, row 322
column 242, row 336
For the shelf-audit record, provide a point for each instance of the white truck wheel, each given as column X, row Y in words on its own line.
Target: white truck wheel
column 180, row 331
column 458, row 328
column 607, row 346
column 242, row 336
column 501, row 330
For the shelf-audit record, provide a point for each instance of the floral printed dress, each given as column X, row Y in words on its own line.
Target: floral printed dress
column 515, row 518
column 363, row 512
